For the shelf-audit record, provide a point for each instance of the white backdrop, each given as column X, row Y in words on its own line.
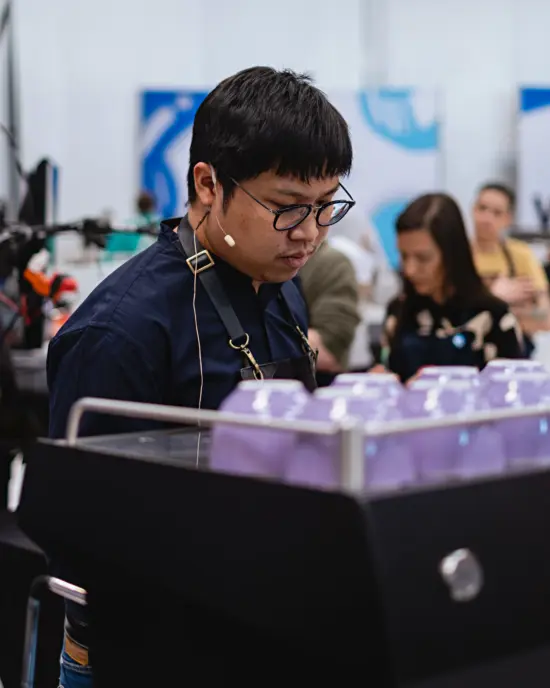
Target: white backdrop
column 83, row 63
column 534, row 158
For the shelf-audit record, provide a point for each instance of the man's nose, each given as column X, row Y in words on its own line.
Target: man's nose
column 307, row 231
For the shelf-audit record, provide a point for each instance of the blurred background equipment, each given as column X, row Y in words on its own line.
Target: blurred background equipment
column 12, row 128
column 145, row 215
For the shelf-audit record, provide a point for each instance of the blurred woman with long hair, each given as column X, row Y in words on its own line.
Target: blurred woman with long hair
column 445, row 315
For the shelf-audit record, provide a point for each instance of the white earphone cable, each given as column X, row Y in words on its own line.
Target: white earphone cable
column 199, row 347
column 195, row 317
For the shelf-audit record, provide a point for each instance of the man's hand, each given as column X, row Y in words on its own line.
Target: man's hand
column 514, row 290
column 326, row 362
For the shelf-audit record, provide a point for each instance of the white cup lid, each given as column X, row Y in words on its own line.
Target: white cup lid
column 521, row 376
column 514, row 363
column 366, row 378
column 279, row 385
column 449, row 370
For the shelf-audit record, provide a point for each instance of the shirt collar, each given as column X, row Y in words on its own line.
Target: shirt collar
column 229, row 275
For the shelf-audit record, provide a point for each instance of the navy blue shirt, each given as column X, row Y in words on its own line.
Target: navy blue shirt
column 134, row 338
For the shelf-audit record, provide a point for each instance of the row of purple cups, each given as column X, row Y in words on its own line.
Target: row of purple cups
column 396, row 459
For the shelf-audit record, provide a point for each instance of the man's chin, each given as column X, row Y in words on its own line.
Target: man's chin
column 280, row 273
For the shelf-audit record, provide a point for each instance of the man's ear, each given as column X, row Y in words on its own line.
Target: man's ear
column 205, row 186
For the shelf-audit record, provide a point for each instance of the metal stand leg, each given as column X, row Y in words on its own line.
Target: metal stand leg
column 352, row 478
column 58, row 587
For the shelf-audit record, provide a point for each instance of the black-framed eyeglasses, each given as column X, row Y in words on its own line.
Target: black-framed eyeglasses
column 291, row 216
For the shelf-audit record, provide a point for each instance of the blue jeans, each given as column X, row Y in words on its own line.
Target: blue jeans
column 76, row 671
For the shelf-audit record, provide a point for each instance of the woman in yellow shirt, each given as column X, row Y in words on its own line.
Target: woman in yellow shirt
column 508, row 266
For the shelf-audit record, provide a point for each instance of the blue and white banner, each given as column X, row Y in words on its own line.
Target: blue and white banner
column 395, row 137
column 166, row 123
column 533, row 159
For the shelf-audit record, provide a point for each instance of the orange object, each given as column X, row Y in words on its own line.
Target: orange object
column 50, row 286
column 38, row 281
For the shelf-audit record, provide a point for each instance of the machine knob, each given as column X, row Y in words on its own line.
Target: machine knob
column 463, row 573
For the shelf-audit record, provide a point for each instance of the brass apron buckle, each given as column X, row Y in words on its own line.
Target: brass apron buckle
column 258, row 375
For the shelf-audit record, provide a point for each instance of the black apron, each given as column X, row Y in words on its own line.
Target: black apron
column 201, row 263
column 528, row 345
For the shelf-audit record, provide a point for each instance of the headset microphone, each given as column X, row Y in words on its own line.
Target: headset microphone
column 226, row 237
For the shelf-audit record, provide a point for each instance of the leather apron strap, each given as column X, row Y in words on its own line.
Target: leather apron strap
column 286, row 290
column 509, row 260
column 199, row 261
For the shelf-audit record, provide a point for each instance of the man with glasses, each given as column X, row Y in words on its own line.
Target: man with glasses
column 213, row 301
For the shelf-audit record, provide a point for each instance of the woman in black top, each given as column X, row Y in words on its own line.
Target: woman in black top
column 445, row 315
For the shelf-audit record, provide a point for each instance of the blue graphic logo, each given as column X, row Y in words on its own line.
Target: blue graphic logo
column 459, row 340
column 534, row 99
column 383, row 220
column 390, row 113
column 166, row 123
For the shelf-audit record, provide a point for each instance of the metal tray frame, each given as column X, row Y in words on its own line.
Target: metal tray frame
column 352, row 431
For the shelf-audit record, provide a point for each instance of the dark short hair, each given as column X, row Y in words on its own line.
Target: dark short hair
column 440, row 215
column 503, row 189
column 145, row 202
column 262, row 119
